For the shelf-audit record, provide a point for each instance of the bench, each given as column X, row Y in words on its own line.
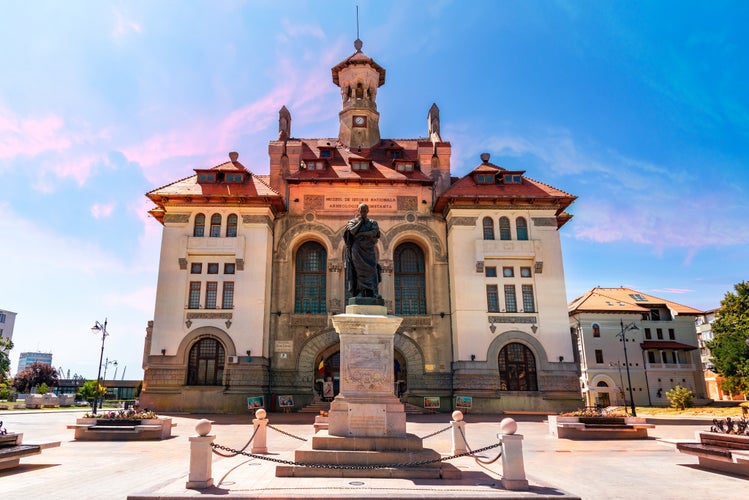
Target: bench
column 566, row 427
column 720, row 452
column 12, row 450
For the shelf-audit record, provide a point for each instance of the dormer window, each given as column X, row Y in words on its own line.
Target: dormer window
column 206, row 177
column 233, row 178
column 359, row 165
column 485, row 178
column 316, row 165
column 512, row 179
column 325, row 153
column 395, row 154
column 404, row 166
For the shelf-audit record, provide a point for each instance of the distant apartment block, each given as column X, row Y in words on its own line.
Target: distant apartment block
column 705, row 334
column 29, row 358
column 7, row 321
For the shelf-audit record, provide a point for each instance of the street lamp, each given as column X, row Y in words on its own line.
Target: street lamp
column 108, row 362
column 625, row 329
column 96, row 329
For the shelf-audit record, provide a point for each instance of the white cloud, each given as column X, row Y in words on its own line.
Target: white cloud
column 102, row 211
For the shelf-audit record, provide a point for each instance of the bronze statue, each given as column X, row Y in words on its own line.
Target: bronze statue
column 362, row 270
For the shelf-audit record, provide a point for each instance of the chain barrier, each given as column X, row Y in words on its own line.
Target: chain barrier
column 243, row 447
column 286, row 433
column 438, row 432
column 487, row 462
column 354, row 467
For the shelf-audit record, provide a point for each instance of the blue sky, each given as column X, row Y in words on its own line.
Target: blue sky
column 640, row 109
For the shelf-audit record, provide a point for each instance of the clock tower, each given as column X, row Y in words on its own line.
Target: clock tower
column 359, row 77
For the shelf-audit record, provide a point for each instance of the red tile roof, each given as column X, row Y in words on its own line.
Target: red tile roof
column 621, row 300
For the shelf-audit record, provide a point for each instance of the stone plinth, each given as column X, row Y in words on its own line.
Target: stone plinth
column 366, row 406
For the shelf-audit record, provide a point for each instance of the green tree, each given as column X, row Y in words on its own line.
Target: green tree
column 34, row 375
column 680, row 397
column 5, row 346
column 729, row 348
column 88, row 390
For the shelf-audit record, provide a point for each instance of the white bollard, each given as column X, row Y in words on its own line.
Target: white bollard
column 513, row 470
column 201, row 458
column 259, row 441
column 459, row 433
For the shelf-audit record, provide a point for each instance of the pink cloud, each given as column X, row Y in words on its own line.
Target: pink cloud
column 31, row 136
column 101, row 211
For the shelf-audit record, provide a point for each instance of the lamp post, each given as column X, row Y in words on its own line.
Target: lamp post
column 96, row 329
column 625, row 329
column 108, row 362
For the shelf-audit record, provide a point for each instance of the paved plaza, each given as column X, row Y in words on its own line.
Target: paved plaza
column 555, row 468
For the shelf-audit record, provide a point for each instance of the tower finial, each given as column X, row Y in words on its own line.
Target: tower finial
column 358, row 44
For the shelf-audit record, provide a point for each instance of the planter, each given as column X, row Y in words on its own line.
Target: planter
column 66, row 399
column 568, row 427
column 122, row 429
column 720, row 452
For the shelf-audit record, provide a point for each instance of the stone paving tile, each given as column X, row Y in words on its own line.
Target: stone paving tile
column 556, row 468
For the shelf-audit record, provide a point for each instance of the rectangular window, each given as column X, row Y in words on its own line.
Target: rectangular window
column 511, row 304
column 2, row 317
column 490, row 272
column 324, row 153
column 671, row 334
column 213, row 268
column 648, row 334
column 211, row 291
column 492, row 298
column 193, row 302
column 651, row 357
column 525, row 272
column 405, row 167
column 360, row 165
column 229, row 268
column 659, row 333
column 228, row 297
column 196, row 268
column 508, row 272
column 599, row 356
column 529, row 305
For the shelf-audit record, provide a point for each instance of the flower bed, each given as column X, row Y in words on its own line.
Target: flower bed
column 584, row 424
column 122, row 425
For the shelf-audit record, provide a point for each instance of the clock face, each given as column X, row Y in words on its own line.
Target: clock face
column 360, row 121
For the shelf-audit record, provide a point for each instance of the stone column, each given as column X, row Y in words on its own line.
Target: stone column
column 458, row 431
column 201, row 457
column 513, row 470
column 259, row 441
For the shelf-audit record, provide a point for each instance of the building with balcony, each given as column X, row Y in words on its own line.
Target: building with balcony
column 661, row 347
column 252, row 270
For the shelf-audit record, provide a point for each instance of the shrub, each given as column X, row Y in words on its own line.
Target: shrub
column 42, row 388
column 680, row 397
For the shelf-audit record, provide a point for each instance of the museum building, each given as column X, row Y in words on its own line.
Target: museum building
column 252, row 271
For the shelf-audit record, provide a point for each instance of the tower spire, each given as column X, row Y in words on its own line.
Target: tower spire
column 358, row 44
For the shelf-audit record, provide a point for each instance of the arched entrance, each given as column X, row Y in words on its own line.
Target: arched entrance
column 327, row 374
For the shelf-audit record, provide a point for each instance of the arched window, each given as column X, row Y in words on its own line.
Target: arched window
column 215, row 226
column 522, row 228
column 311, row 267
column 205, row 364
column 199, row 228
column 504, row 228
column 517, row 368
column 596, row 330
column 231, row 226
column 410, row 287
column 488, row 228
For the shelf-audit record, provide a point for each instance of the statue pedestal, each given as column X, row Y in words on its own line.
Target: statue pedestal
column 366, row 422
column 366, row 405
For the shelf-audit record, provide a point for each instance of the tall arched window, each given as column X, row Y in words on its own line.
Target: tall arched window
column 517, row 368
column 311, row 267
column 504, row 229
column 199, row 228
column 215, row 226
column 410, row 287
column 596, row 330
column 522, row 228
column 205, row 363
column 488, row 228
column 231, row 226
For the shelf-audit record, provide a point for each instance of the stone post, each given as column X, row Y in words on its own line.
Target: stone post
column 201, row 458
column 513, row 470
column 259, row 441
column 459, row 433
